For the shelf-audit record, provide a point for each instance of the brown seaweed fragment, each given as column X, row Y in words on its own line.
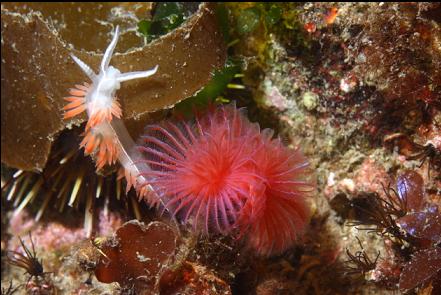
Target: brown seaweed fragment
column 36, row 72
column 137, row 255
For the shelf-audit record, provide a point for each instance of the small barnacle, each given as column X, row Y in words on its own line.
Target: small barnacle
column 413, row 151
column 89, row 253
column 360, row 263
column 10, row 290
column 29, row 262
column 97, row 243
column 385, row 212
column 381, row 213
column 429, row 153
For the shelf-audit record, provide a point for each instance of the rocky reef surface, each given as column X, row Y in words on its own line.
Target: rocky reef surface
column 355, row 86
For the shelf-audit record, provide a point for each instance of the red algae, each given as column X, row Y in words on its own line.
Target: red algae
column 424, row 265
column 410, row 187
column 222, row 173
column 137, row 254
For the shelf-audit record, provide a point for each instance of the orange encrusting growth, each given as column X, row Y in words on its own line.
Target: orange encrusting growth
column 331, row 16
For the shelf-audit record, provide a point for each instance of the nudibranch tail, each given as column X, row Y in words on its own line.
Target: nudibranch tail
column 143, row 189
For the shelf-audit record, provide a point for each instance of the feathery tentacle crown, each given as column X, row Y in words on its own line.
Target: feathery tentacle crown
column 101, row 104
column 221, row 173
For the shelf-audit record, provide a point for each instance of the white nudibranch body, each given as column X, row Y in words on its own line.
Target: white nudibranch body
column 103, row 94
column 106, row 136
column 100, row 100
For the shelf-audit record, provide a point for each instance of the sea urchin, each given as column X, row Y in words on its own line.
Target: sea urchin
column 221, row 173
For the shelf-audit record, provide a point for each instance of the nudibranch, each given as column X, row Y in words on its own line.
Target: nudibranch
column 106, row 136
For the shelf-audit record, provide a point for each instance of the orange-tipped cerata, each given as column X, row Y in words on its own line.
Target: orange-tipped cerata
column 77, row 101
